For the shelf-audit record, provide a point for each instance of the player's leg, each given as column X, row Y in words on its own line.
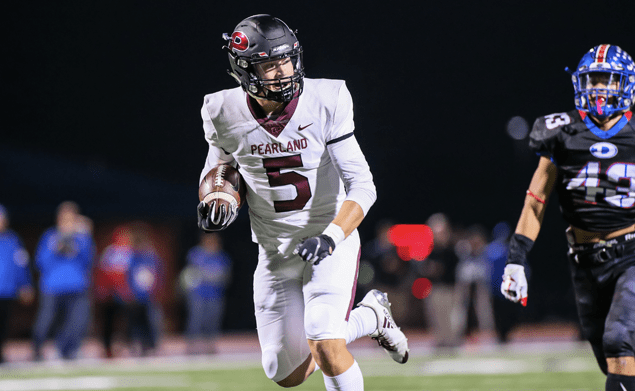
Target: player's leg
column 387, row 333
column 362, row 322
column 300, row 374
column 329, row 290
column 592, row 304
column 341, row 371
column 618, row 342
column 279, row 309
column 373, row 318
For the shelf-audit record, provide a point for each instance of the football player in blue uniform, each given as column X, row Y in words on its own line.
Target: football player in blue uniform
column 588, row 155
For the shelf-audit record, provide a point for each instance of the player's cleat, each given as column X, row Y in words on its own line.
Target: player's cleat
column 388, row 335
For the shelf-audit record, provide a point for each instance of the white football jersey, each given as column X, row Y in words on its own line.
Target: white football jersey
column 296, row 181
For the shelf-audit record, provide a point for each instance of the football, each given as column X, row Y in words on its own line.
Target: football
column 224, row 184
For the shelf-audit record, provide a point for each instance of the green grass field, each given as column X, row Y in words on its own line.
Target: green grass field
column 551, row 370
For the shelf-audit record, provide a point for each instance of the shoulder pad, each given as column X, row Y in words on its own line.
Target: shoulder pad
column 556, row 122
column 546, row 129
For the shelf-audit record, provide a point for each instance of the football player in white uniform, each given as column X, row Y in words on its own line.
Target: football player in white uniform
column 308, row 188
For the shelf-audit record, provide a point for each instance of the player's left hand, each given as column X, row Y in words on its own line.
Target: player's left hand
column 514, row 286
column 315, row 249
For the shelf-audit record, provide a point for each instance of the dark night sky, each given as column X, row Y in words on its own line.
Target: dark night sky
column 119, row 84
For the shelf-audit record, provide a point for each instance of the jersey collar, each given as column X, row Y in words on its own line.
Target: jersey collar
column 609, row 133
column 272, row 126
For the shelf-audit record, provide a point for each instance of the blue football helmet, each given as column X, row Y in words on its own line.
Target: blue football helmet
column 604, row 81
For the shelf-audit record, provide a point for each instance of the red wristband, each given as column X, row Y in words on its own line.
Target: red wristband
column 536, row 197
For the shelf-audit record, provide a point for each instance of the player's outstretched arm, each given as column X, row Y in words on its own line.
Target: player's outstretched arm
column 514, row 286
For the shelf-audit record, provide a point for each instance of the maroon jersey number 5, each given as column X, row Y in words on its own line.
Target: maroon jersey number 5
column 301, row 183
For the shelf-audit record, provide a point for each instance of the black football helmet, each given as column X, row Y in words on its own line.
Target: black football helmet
column 260, row 39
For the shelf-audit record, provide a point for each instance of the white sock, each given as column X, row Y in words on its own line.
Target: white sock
column 361, row 322
column 351, row 380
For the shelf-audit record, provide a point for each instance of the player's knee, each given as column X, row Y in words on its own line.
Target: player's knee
column 616, row 341
column 270, row 364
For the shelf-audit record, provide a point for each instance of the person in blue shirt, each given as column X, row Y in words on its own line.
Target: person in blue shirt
column 64, row 259
column 144, row 280
column 15, row 278
column 205, row 279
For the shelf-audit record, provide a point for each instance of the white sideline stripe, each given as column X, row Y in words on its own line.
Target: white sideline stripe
column 58, row 383
column 94, row 383
column 481, row 366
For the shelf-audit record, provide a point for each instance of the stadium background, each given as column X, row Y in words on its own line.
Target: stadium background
column 102, row 99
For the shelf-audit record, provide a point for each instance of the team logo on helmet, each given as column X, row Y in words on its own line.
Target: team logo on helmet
column 603, row 150
column 239, row 41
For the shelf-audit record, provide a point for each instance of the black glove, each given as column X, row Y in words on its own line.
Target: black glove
column 212, row 218
column 315, row 249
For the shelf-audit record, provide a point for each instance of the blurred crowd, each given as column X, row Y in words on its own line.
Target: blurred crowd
column 71, row 285
column 461, row 278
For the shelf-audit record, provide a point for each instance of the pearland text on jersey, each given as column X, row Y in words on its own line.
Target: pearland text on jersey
column 294, row 145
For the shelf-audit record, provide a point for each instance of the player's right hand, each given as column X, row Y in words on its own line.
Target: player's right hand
column 212, row 218
column 514, row 286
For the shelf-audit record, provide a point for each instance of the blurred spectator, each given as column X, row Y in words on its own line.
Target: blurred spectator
column 144, row 280
column 205, row 278
column 506, row 313
column 112, row 291
column 473, row 281
column 64, row 258
column 15, row 277
column 440, row 268
column 391, row 273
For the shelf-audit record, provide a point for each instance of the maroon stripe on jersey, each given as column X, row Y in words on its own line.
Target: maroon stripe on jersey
column 350, row 305
column 272, row 126
column 602, row 50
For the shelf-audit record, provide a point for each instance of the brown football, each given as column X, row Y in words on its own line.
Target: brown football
column 224, row 184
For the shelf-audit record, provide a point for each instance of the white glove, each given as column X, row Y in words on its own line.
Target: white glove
column 514, row 286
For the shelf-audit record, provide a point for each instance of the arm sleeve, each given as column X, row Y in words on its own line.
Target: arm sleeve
column 342, row 123
column 541, row 139
column 86, row 250
column 347, row 156
column 217, row 153
column 44, row 253
column 215, row 156
column 352, row 167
